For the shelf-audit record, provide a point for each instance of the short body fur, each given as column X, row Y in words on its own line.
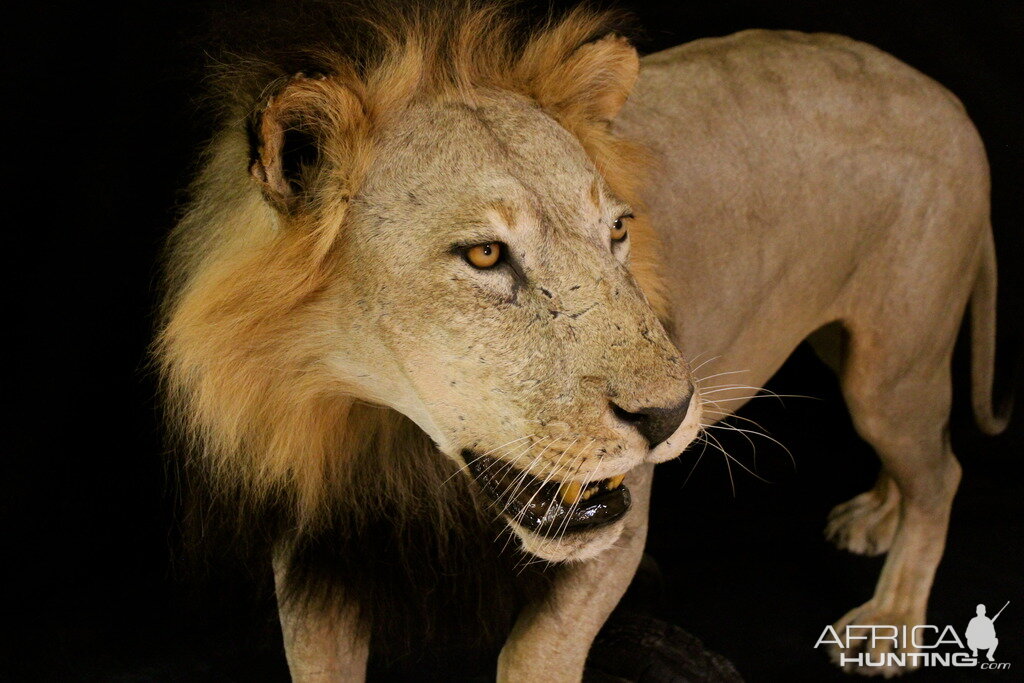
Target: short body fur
column 329, row 360
column 354, row 498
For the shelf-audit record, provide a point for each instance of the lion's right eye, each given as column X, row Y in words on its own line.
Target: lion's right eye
column 619, row 230
column 484, row 256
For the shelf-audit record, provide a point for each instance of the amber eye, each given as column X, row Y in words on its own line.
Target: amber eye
column 484, row 255
column 619, row 231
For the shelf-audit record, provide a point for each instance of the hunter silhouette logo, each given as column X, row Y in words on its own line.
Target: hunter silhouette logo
column 883, row 645
column 981, row 633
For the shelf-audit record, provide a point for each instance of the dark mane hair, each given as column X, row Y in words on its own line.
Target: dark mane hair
column 355, row 499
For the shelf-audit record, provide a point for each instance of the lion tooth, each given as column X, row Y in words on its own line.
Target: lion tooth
column 616, row 481
column 571, row 492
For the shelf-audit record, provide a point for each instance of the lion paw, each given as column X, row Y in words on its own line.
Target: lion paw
column 874, row 636
column 866, row 524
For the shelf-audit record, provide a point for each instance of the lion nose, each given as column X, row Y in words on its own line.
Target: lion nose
column 655, row 424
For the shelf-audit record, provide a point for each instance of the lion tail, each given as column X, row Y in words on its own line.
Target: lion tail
column 983, row 344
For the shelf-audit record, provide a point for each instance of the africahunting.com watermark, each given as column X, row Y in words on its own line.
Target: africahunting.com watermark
column 881, row 645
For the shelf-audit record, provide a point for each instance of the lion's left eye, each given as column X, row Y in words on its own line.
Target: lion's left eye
column 619, row 232
column 484, row 256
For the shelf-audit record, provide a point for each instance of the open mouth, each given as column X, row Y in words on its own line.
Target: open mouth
column 552, row 508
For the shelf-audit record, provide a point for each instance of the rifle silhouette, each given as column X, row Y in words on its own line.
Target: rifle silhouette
column 999, row 612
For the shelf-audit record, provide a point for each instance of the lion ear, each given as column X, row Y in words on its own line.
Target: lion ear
column 593, row 82
column 291, row 134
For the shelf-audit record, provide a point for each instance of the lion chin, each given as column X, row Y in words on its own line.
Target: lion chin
column 570, row 547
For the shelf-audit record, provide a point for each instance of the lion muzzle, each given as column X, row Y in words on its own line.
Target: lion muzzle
column 549, row 508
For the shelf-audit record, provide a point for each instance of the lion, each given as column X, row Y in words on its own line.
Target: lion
column 432, row 308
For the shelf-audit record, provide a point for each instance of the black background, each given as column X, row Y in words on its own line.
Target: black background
column 102, row 137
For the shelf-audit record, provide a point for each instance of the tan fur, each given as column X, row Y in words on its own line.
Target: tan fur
column 808, row 181
column 250, row 314
column 315, row 309
column 281, row 322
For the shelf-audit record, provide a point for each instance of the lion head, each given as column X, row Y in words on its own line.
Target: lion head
column 444, row 227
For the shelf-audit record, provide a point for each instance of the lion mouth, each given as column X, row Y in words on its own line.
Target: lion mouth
column 552, row 508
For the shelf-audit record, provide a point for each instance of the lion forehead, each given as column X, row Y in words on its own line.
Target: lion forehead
column 503, row 148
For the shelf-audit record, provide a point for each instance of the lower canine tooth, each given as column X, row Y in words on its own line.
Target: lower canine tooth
column 571, row 492
column 616, row 481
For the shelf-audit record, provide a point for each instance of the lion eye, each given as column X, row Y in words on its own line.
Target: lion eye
column 484, row 255
column 619, row 231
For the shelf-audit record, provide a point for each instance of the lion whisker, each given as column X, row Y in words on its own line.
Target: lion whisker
column 742, row 433
column 694, row 359
column 718, row 374
column 550, row 474
column 753, row 396
column 726, row 414
column 464, row 467
column 730, row 387
column 728, row 466
column 753, row 446
column 497, row 448
column 704, row 444
column 562, row 455
column 745, row 432
column 718, row 445
column 560, row 533
column 694, row 370
column 512, row 462
column 760, row 392
column 522, row 477
column 505, row 465
column 518, row 518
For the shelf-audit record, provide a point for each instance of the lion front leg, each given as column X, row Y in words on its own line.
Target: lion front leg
column 551, row 639
column 320, row 648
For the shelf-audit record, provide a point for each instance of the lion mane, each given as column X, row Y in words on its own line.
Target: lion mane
column 354, row 497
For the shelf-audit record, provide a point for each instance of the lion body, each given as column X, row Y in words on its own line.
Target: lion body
column 805, row 179
column 795, row 181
